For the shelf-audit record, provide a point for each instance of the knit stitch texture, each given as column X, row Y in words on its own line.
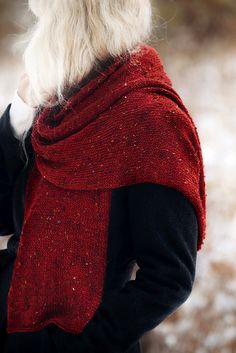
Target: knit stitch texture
column 126, row 126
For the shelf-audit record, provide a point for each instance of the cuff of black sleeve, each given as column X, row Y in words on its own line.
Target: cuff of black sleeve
column 12, row 246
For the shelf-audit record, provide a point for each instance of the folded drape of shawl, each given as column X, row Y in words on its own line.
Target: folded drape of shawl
column 128, row 125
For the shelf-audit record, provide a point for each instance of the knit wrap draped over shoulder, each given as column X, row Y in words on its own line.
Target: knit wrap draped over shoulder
column 127, row 125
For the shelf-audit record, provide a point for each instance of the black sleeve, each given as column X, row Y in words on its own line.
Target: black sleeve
column 164, row 231
column 11, row 161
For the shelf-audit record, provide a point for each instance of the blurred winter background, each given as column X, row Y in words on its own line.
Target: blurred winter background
column 196, row 40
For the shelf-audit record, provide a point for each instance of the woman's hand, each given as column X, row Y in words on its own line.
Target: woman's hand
column 3, row 241
column 24, row 91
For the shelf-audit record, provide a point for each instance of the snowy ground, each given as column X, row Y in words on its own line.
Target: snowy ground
column 206, row 81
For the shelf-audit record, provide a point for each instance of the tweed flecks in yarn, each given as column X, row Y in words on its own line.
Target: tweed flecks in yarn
column 126, row 126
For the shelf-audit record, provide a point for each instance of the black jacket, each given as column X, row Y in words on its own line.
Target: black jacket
column 150, row 224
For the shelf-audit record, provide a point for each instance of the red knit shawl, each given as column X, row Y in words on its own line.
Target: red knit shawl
column 126, row 126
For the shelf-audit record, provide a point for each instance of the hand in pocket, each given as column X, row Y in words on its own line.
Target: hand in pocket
column 3, row 241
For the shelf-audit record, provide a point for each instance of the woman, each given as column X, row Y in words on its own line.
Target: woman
column 101, row 169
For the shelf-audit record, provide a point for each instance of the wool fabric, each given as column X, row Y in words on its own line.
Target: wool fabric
column 126, row 126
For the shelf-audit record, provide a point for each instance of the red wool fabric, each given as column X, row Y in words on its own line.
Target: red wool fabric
column 127, row 125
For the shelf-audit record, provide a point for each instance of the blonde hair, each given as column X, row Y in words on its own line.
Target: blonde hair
column 69, row 37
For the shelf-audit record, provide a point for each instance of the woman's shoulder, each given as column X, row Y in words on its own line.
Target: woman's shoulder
column 7, row 137
column 11, row 152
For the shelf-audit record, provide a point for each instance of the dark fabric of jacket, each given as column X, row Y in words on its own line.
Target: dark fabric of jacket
column 163, row 243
